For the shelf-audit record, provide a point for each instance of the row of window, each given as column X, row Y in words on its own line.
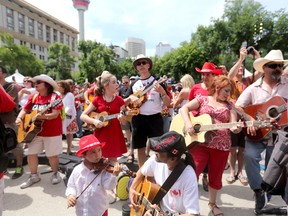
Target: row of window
column 40, row 29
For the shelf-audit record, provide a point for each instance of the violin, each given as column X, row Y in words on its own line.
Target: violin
column 105, row 164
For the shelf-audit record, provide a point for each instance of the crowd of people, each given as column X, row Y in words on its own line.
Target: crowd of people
column 64, row 109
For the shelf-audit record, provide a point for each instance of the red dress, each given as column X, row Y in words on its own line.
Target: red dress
column 112, row 134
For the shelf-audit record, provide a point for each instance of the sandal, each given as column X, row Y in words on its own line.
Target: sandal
column 215, row 210
column 231, row 179
column 243, row 180
column 130, row 159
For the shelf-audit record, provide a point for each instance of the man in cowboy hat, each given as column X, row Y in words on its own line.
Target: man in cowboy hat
column 149, row 122
column 271, row 84
column 50, row 136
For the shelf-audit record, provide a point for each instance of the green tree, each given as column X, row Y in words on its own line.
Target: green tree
column 60, row 61
column 19, row 57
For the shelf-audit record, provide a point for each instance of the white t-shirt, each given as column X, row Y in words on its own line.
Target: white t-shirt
column 94, row 201
column 25, row 97
column 183, row 195
column 153, row 104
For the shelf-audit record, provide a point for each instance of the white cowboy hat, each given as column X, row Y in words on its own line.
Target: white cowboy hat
column 272, row 56
column 47, row 79
column 142, row 57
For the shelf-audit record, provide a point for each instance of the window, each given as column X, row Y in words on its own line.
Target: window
column 48, row 34
column 67, row 39
column 55, row 38
column 61, row 37
column 40, row 31
column 10, row 19
column 31, row 27
column 21, row 23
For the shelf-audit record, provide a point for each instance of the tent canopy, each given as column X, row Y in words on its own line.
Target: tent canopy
column 18, row 77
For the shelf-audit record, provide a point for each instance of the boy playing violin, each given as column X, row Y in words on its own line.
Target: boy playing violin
column 87, row 185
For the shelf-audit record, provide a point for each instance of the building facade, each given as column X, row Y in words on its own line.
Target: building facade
column 34, row 28
column 121, row 53
column 162, row 48
column 135, row 46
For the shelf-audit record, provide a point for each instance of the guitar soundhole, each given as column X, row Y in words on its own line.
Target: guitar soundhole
column 273, row 113
column 101, row 119
column 197, row 128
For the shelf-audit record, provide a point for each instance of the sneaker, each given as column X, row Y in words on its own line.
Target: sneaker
column 31, row 180
column 55, row 178
column 260, row 200
column 18, row 173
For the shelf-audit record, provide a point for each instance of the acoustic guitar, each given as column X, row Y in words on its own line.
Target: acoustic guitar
column 275, row 108
column 148, row 191
column 90, row 98
column 31, row 126
column 106, row 118
column 141, row 95
column 204, row 123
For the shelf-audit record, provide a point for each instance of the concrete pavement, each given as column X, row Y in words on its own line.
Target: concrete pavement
column 46, row 199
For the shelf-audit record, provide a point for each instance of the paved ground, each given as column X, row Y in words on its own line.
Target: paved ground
column 45, row 199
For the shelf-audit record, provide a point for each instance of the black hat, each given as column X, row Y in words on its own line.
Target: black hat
column 171, row 141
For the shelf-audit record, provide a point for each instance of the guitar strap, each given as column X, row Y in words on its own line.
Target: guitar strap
column 169, row 182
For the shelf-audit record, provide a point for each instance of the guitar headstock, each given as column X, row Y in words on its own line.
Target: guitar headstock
column 55, row 103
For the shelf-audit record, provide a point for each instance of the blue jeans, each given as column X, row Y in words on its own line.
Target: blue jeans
column 252, row 156
column 79, row 122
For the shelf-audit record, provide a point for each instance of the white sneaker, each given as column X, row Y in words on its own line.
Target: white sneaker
column 55, row 178
column 31, row 180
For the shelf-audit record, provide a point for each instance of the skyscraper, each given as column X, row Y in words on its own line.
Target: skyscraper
column 81, row 6
column 163, row 48
column 135, row 46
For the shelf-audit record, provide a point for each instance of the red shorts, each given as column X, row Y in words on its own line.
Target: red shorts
column 216, row 161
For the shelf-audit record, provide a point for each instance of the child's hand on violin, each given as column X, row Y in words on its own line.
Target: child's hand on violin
column 117, row 169
column 71, row 200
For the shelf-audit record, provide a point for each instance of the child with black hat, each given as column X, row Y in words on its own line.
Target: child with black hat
column 171, row 151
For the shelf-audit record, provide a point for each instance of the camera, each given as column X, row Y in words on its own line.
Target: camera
column 250, row 50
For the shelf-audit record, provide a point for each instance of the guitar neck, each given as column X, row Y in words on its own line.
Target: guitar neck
column 150, row 87
column 225, row 125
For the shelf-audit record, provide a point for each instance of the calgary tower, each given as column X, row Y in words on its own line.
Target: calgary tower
column 81, row 6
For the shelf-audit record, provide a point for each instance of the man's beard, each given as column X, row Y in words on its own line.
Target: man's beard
column 276, row 74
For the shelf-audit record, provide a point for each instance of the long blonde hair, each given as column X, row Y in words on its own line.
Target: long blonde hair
column 187, row 81
column 101, row 82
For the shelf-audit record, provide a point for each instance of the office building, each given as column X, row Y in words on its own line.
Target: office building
column 162, row 48
column 35, row 28
column 135, row 46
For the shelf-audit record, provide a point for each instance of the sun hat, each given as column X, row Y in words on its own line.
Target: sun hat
column 47, row 79
column 141, row 57
column 209, row 67
column 272, row 56
column 88, row 142
column 171, row 141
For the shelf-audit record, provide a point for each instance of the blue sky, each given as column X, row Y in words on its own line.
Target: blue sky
column 154, row 21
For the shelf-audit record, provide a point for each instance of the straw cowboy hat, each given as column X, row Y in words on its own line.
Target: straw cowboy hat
column 47, row 79
column 209, row 67
column 88, row 142
column 141, row 57
column 272, row 56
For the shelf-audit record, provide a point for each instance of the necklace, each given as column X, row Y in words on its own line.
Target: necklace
column 108, row 102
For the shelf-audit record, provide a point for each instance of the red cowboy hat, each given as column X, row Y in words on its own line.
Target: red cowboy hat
column 209, row 67
column 88, row 142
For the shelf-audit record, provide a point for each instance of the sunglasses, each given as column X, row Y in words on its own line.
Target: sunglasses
column 141, row 62
column 38, row 82
column 274, row 66
column 125, row 83
column 26, row 81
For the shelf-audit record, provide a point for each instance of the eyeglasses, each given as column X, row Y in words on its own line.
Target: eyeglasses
column 274, row 66
column 38, row 82
column 142, row 62
column 125, row 83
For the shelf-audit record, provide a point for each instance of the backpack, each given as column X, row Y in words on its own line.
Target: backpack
column 8, row 141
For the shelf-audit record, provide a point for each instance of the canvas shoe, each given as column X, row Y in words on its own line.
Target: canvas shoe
column 55, row 178
column 18, row 173
column 31, row 180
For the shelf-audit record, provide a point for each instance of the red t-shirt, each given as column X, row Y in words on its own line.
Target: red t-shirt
column 195, row 91
column 51, row 127
column 6, row 102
